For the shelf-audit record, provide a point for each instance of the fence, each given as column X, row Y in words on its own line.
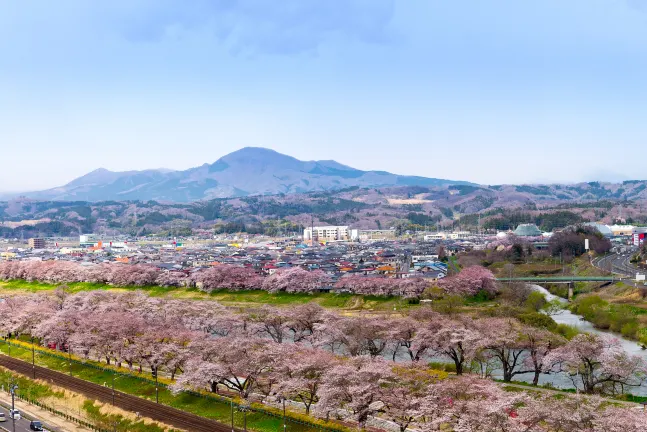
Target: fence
column 287, row 424
column 61, row 414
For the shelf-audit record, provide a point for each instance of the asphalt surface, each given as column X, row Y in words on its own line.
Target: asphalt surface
column 21, row 425
column 618, row 264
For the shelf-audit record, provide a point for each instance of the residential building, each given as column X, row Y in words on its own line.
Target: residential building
column 37, row 243
column 435, row 236
column 326, row 233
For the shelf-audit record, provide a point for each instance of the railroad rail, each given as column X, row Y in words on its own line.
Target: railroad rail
column 162, row 413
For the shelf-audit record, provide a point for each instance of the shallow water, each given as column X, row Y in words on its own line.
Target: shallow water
column 562, row 380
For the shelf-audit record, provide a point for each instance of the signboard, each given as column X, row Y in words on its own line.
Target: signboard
column 586, row 244
column 640, row 277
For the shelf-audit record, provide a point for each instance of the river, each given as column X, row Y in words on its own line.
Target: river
column 561, row 380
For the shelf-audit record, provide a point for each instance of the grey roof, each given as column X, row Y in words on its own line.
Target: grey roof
column 604, row 230
column 527, row 230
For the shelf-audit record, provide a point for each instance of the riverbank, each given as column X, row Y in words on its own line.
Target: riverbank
column 242, row 298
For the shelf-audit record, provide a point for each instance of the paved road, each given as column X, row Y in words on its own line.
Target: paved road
column 22, row 425
column 618, row 264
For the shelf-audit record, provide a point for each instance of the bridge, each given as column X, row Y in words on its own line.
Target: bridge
column 570, row 280
column 563, row 279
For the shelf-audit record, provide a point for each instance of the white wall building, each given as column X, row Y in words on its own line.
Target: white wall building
column 435, row 236
column 327, row 233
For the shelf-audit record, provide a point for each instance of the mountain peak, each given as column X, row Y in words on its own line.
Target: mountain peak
column 248, row 171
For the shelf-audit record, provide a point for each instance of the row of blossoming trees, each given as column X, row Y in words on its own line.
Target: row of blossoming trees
column 337, row 366
column 294, row 279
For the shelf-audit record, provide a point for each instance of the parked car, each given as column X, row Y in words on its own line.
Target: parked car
column 15, row 414
column 3, row 417
column 35, row 425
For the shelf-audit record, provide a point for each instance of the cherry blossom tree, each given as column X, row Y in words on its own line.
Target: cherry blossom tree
column 354, row 388
column 470, row 281
column 597, row 363
column 301, row 372
column 538, row 343
column 303, row 320
column 458, row 340
column 471, row 404
column 270, row 322
column 237, row 363
column 296, row 279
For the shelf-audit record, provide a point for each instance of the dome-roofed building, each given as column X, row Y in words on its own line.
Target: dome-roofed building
column 604, row 229
column 527, row 230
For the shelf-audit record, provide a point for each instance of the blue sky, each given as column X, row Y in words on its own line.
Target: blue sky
column 497, row 91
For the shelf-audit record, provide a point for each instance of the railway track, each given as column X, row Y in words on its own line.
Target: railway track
column 162, row 413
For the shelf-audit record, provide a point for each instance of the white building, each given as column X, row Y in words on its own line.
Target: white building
column 435, row 236
column 378, row 234
column 327, row 233
column 88, row 239
column 460, row 235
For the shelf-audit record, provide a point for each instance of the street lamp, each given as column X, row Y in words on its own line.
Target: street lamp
column 157, row 397
column 113, row 386
column 12, row 390
column 285, row 425
column 244, row 409
column 33, row 358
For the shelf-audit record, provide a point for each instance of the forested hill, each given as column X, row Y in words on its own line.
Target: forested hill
column 403, row 207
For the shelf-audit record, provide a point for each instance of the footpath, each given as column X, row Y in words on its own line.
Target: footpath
column 31, row 412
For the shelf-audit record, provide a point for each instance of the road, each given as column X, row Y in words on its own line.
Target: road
column 163, row 413
column 618, row 264
column 22, row 425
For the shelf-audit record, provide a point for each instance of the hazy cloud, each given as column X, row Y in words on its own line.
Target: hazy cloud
column 257, row 26
column 638, row 4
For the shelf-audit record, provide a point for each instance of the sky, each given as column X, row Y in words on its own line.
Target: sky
column 503, row 91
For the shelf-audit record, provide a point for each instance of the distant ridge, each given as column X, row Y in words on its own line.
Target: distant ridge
column 248, row 171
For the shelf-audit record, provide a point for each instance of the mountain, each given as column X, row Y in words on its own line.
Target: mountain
column 409, row 208
column 249, row 171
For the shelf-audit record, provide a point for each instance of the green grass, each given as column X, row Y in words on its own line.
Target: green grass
column 237, row 298
column 205, row 407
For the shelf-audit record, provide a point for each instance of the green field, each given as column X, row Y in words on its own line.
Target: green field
column 236, row 298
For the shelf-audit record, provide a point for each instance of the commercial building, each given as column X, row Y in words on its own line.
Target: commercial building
column 326, row 233
column 527, row 230
column 37, row 243
column 622, row 230
column 639, row 235
column 378, row 234
column 88, row 240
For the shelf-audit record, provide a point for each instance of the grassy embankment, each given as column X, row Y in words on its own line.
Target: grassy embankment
column 619, row 307
column 141, row 385
column 77, row 406
column 230, row 298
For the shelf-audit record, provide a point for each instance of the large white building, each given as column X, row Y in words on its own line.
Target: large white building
column 326, row 233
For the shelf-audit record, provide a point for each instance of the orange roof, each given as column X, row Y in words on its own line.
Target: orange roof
column 385, row 268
